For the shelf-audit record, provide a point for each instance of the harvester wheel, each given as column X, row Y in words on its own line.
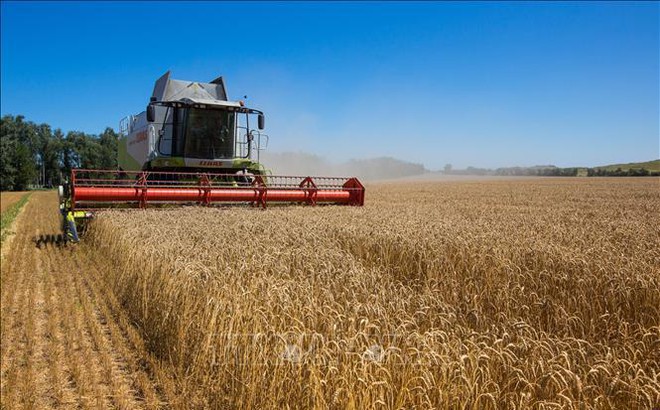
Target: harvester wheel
column 243, row 180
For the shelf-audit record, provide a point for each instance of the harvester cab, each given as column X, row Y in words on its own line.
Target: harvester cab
column 192, row 127
column 193, row 146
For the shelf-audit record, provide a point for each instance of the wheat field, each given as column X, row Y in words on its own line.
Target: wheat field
column 534, row 293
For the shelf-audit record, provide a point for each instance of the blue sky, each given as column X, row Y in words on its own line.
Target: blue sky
column 481, row 84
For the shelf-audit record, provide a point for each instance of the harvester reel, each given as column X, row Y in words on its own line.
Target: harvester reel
column 93, row 190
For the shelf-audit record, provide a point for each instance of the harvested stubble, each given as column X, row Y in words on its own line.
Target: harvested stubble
column 7, row 199
column 539, row 293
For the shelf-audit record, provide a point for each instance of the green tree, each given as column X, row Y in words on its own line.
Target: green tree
column 7, row 152
column 26, row 170
column 108, row 141
column 20, row 140
column 31, row 153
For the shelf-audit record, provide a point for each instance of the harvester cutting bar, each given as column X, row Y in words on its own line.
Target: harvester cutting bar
column 91, row 188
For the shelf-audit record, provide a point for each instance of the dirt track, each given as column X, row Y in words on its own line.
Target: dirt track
column 65, row 341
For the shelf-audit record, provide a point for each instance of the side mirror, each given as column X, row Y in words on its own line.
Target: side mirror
column 261, row 121
column 151, row 113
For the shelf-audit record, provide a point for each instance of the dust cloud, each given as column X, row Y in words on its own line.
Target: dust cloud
column 373, row 169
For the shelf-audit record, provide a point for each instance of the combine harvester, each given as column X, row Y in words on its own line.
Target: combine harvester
column 192, row 146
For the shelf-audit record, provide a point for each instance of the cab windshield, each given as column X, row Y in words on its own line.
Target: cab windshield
column 209, row 134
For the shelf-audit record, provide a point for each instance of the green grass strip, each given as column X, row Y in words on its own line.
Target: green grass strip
column 7, row 217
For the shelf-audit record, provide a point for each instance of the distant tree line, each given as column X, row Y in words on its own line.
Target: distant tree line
column 618, row 172
column 35, row 155
column 553, row 171
column 572, row 172
column 547, row 171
